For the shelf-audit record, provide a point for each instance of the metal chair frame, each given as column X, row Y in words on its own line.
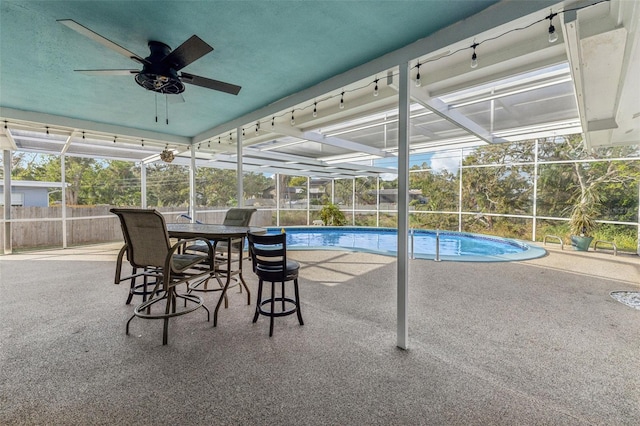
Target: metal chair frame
column 149, row 249
column 233, row 217
column 270, row 263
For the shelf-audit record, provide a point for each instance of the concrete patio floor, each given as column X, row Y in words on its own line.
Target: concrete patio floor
column 533, row 342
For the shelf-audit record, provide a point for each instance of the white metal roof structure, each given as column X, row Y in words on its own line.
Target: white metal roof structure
column 523, row 87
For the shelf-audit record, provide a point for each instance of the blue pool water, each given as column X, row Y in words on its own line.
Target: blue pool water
column 456, row 246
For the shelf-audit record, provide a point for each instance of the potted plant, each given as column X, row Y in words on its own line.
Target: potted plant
column 582, row 221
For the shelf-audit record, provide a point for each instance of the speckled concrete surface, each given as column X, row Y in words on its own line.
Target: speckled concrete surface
column 536, row 342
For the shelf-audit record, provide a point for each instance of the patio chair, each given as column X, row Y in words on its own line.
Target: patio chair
column 149, row 249
column 135, row 288
column 233, row 217
column 270, row 263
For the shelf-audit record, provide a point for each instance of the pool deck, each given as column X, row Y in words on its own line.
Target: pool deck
column 531, row 342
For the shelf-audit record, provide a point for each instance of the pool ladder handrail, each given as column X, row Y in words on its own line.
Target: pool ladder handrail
column 437, row 258
column 613, row 245
column 544, row 240
column 411, row 237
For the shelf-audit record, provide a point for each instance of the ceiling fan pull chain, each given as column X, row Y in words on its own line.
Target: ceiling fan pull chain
column 166, row 107
column 156, row 98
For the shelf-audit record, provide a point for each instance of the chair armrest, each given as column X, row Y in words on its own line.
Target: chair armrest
column 197, row 258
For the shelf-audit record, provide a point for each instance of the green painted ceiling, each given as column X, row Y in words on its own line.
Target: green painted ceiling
column 271, row 48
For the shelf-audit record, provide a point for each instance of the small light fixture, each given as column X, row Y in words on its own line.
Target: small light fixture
column 293, row 119
column 418, row 81
column 166, row 155
column 342, row 100
column 273, row 122
column 474, row 57
column 553, row 35
column 375, row 89
column 315, row 109
column 257, row 128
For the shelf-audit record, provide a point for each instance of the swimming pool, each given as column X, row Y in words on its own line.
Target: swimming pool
column 454, row 246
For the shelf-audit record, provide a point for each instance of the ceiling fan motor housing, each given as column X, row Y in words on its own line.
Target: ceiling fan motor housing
column 159, row 76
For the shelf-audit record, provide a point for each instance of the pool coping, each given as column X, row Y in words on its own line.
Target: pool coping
column 532, row 252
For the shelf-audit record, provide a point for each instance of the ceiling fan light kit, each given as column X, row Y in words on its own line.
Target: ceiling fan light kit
column 156, row 75
column 160, row 69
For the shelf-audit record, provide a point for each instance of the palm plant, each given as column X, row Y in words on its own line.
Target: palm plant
column 582, row 220
column 332, row 215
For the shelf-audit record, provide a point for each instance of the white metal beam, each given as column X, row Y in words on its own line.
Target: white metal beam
column 328, row 140
column 293, row 159
column 454, row 117
column 101, row 128
column 6, row 140
column 304, row 169
column 488, row 19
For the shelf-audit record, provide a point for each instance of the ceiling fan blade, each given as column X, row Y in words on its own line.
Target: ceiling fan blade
column 210, row 83
column 175, row 98
column 189, row 51
column 108, row 72
column 103, row 41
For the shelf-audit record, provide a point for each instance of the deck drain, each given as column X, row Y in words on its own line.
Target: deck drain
column 629, row 298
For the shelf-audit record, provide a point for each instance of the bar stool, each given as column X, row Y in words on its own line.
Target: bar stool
column 270, row 263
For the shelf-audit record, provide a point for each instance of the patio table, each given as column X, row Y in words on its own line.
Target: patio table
column 217, row 232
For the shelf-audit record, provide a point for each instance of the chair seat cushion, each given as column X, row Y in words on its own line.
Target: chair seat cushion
column 199, row 246
column 275, row 273
column 221, row 246
column 181, row 262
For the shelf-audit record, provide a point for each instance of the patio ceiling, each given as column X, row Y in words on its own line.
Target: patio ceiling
column 321, row 52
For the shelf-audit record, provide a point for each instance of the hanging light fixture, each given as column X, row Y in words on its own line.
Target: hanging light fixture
column 375, row 89
column 553, row 35
column 418, row 81
column 474, row 57
column 166, row 155
column 342, row 100
column 293, row 119
column 315, row 109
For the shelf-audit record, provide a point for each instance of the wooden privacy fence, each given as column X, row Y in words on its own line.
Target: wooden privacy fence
column 40, row 227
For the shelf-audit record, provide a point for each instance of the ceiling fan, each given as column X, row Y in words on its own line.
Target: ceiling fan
column 160, row 69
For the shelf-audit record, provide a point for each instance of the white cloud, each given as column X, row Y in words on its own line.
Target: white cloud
column 388, row 176
column 448, row 161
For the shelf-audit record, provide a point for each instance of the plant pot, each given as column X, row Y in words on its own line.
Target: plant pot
column 581, row 243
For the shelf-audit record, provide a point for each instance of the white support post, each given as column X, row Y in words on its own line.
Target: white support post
column 353, row 202
column 63, row 178
column 239, row 174
column 192, row 185
column 377, row 201
column 403, row 208
column 308, row 200
column 333, row 191
column 6, row 157
column 277, row 176
column 535, row 191
column 460, row 191
column 143, row 185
